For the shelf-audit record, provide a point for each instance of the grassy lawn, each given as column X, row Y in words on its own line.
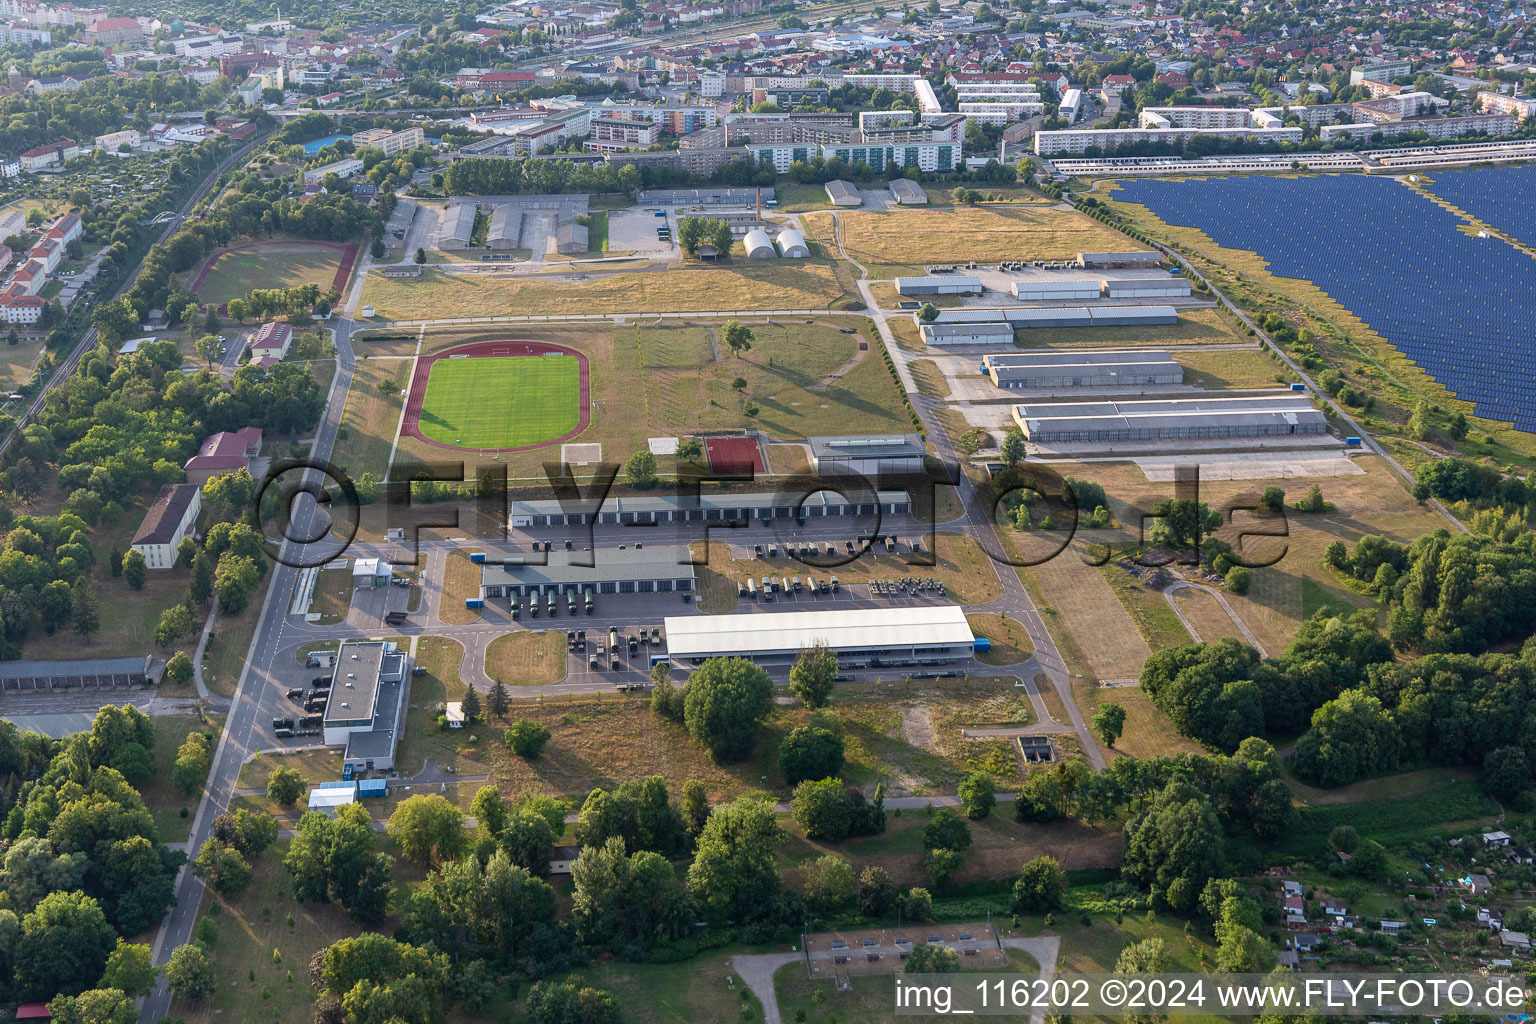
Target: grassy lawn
column 332, row 596
column 471, row 401
column 1206, row 614
column 230, row 643
column 165, row 801
column 372, row 414
column 461, row 580
column 1244, row 368
column 930, row 379
column 701, row 990
column 1155, row 619
column 597, row 232
column 17, row 361
column 785, row 285
column 236, row 273
column 1010, row 643
column 527, row 658
column 315, row 765
column 869, row 999
column 422, row 738
column 1195, row 327
column 915, row 237
column 960, row 564
column 1393, row 811
column 676, row 379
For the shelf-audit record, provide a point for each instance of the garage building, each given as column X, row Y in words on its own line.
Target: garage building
column 1056, row 289
column 456, row 228
column 907, row 192
column 843, row 193
column 939, row 284
column 994, row 333
column 64, row 674
column 1108, row 260
column 1211, row 416
column 506, row 228
column 1115, row 368
column 713, row 508
column 651, row 570
column 1155, row 285
column 869, row 455
column 918, row 635
column 758, row 245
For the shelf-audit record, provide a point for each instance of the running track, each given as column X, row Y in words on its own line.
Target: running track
column 411, row 426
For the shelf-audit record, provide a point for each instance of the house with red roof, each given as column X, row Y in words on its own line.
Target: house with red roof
column 225, row 452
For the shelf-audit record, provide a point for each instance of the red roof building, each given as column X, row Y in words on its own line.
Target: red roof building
column 224, row 452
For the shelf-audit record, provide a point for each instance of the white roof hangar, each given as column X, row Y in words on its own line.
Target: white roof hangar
column 1209, row 416
column 933, row 634
column 758, row 246
column 792, row 244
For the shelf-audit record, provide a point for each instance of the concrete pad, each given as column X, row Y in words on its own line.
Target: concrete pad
column 581, row 454
column 1252, row 467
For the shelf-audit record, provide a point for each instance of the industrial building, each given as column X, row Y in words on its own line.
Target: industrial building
column 1154, row 284
column 456, row 228
column 1208, row 416
column 1111, row 368
column 875, row 637
column 1057, row 289
column 629, row 570
column 506, row 228
column 871, row 456
column 1022, row 318
column 1125, row 284
column 758, row 246
column 792, row 245
column 907, row 192
column 939, row 284
column 364, row 709
column 843, row 193
column 989, row 333
column 64, row 674
column 1115, row 260
column 711, row 508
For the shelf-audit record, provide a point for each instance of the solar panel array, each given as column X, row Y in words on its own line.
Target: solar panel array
column 1459, row 306
column 1498, row 196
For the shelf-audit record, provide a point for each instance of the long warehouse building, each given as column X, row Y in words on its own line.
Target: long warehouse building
column 1116, row 368
column 1209, row 416
column 712, row 508
column 637, row 570
column 876, row 637
column 939, row 284
column 1020, row 318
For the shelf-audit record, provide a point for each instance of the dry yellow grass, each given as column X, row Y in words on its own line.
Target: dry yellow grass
column 1206, row 614
column 461, row 580
column 1195, row 327
column 1244, row 368
column 1010, row 643
column 527, row 658
column 930, row 379
column 908, row 237
column 784, row 285
column 1086, row 606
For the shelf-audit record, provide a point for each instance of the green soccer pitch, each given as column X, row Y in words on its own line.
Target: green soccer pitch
column 501, row 401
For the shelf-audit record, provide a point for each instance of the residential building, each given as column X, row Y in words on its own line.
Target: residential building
column 393, row 143
column 48, row 157
column 171, row 517
column 226, row 452
column 114, row 32
column 114, row 141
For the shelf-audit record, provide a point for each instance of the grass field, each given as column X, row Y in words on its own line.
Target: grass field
column 164, row 800
column 500, row 402
column 917, row 237
column 288, row 266
column 785, row 285
column 527, row 658
column 868, row 998
column 676, row 378
column 1206, row 614
column 1224, row 368
column 461, row 580
column 1010, row 643
column 1195, row 327
column 371, row 415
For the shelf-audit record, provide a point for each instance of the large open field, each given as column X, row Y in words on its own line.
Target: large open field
column 781, row 285
column 501, row 402
column 230, row 274
column 676, row 378
column 1195, row 327
column 915, row 237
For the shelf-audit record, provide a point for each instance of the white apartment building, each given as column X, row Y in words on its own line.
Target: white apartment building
column 1195, row 117
column 391, row 142
column 113, row 141
column 1081, row 140
column 1384, row 71
column 1001, row 112
column 1502, row 103
column 1434, row 127
column 623, row 132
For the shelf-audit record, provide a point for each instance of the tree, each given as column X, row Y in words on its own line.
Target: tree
column 828, row 884
column 734, row 875
column 1109, row 722
column 131, row 969
column 421, row 256
column 200, row 585
column 978, row 795
column 470, row 705
column 427, row 828
column 87, row 610
column 1182, row 523
column 190, row 974
column 135, row 571
column 738, row 337
column 928, row 312
column 193, row 759
column 285, row 785
column 566, row 1002
column 823, row 809
column 942, row 865
column 1149, row 956
column 1313, row 502
column 13, row 336
column 1421, row 425
column 929, row 958
column 179, row 668
column 813, row 674
column 946, row 830
column 1174, row 846
column 876, row 891
column 209, row 346
column 94, row 1006
column 1238, row 579
column 1041, row 887
column 640, row 470
column 1506, row 772
column 1014, row 446
column 724, row 701
column 695, row 806
column 1273, row 499
column 235, row 580
column 376, row 248
column 526, row 738
column 810, row 753
column 222, row 867
column 64, row 945
column 497, row 702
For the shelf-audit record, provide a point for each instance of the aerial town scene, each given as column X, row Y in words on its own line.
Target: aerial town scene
column 672, row 512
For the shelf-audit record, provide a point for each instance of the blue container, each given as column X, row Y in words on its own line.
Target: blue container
column 1352, row 440
column 477, row 556
column 982, row 645
column 372, row 787
column 474, row 602
column 1294, row 387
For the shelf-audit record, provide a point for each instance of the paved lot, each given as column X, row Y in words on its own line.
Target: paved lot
column 635, row 229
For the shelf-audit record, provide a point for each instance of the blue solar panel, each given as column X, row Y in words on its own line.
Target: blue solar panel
column 1498, row 196
column 1459, row 306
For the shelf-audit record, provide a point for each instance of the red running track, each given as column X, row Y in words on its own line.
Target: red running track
column 411, row 427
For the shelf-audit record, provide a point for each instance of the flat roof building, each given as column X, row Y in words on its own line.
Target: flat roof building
column 939, row 284
column 1026, row 317
column 1208, row 416
column 989, row 333
column 711, row 508
column 1057, row 289
column 869, row 455
column 63, row 674
column 916, row 635
column 1113, row 368
column 636, row 570
column 363, row 711
column 1112, row 260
